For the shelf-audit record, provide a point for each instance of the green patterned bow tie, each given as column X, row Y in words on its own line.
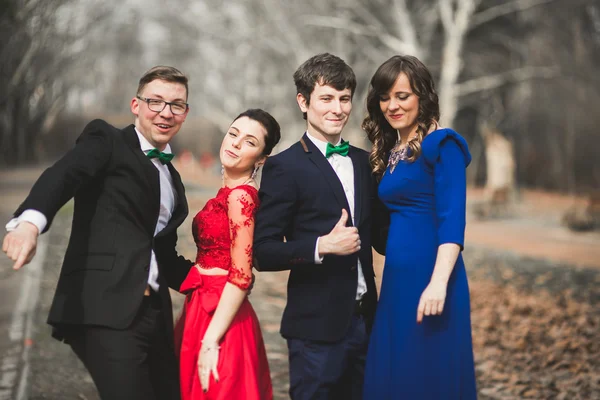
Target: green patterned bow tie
column 342, row 149
column 162, row 157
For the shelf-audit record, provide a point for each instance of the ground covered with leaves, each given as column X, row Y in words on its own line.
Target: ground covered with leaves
column 536, row 329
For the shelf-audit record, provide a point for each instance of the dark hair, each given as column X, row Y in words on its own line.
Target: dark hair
column 378, row 130
column 163, row 73
column 324, row 69
column 268, row 122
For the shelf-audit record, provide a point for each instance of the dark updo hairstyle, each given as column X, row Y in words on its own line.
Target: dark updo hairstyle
column 268, row 122
column 378, row 130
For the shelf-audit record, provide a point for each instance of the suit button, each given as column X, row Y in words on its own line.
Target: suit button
column 147, row 268
column 353, row 268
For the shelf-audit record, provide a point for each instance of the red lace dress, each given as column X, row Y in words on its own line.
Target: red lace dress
column 223, row 231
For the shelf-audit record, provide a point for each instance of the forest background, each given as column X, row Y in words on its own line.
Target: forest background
column 517, row 78
column 523, row 68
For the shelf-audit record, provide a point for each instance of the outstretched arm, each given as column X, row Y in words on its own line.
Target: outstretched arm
column 56, row 186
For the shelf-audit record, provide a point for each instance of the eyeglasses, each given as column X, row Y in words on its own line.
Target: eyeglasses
column 158, row 105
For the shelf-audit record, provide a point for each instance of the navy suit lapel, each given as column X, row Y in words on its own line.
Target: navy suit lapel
column 358, row 185
column 317, row 158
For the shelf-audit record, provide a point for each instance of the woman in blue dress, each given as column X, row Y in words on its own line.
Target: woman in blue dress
column 420, row 347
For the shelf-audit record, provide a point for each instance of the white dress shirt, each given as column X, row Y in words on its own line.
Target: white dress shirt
column 344, row 169
column 167, row 205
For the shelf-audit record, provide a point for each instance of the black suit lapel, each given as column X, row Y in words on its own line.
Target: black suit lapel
column 181, row 207
column 148, row 167
column 315, row 156
column 180, row 210
column 358, row 185
column 151, row 174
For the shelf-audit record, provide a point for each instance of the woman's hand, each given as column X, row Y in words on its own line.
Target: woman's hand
column 432, row 300
column 207, row 363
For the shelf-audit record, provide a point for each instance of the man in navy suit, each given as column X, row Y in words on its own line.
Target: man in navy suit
column 112, row 302
column 315, row 220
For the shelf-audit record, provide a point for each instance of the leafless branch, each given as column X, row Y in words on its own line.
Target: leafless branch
column 293, row 37
column 388, row 40
column 494, row 81
column 446, row 14
column 504, row 9
column 406, row 26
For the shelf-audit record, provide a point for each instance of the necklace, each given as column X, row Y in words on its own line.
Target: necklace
column 397, row 154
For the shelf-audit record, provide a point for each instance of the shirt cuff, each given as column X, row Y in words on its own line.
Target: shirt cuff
column 32, row 216
column 318, row 260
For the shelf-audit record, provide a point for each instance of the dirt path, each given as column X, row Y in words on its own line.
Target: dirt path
column 532, row 228
column 551, row 243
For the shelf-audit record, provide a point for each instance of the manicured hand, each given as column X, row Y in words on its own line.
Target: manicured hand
column 208, row 360
column 432, row 300
column 342, row 240
column 20, row 245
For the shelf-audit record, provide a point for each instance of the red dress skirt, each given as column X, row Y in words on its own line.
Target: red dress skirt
column 243, row 367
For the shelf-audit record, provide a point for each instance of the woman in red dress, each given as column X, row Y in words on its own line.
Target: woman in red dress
column 218, row 337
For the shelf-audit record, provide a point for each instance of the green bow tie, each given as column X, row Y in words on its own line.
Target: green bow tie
column 162, row 157
column 342, row 149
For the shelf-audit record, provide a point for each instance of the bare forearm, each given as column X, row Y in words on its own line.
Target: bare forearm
column 434, row 296
column 445, row 261
column 229, row 304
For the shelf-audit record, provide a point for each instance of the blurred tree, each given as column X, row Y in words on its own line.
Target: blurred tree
column 437, row 32
column 510, row 51
column 487, row 56
column 37, row 56
column 551, row 122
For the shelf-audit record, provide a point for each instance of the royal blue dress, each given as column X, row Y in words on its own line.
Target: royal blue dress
column 433, row 360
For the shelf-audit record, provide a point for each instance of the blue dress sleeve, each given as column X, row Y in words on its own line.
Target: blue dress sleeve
column 448, row 153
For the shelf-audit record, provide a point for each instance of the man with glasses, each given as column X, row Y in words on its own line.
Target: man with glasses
column 112, row 302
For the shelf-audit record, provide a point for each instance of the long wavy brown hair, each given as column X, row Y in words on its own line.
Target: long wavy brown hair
column 380, row 133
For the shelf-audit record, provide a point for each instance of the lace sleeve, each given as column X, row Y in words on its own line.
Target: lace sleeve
column 241, row 210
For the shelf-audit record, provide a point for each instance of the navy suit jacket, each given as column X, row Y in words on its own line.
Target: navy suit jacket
column 116, row 189
column 301, row 198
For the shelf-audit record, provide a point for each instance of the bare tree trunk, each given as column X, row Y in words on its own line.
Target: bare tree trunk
column 456, row 25
column 571, row 134
column 17, row 128
column 458, row 18
column 500, row 175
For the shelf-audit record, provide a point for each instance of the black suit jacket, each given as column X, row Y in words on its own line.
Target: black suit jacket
column 301, row 199
column 116, row 191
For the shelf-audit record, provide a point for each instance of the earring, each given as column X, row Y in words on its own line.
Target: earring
column 254, row 173
column 222, row 171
